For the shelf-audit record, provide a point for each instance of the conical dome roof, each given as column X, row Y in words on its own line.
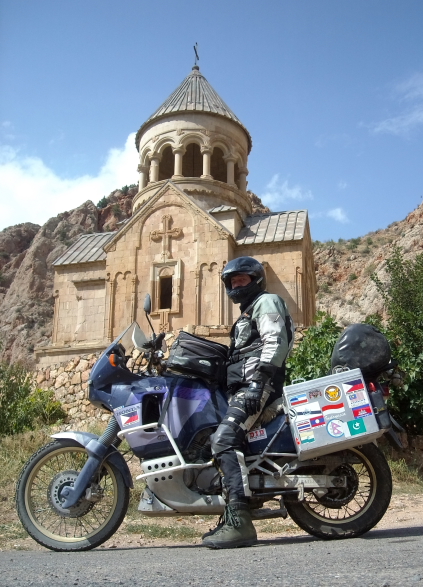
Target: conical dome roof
column 195, row 94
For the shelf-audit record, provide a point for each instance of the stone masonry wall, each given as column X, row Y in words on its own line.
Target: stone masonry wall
column 69, row 381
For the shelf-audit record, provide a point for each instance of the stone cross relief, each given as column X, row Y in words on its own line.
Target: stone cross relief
column 165, row 236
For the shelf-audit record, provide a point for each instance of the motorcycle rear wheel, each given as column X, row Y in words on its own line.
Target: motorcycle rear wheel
column 82, row 527
column 354, row 510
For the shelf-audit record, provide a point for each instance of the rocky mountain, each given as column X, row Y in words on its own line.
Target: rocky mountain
column 343, row 269
column 27, row 252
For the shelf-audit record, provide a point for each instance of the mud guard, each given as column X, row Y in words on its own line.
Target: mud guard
column 113, row 456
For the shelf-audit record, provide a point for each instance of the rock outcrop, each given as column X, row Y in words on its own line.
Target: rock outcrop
column 343, row 269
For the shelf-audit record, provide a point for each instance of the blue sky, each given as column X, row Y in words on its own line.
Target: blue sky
column 330, row 90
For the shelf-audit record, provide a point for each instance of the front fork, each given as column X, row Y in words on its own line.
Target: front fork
column 97, row 449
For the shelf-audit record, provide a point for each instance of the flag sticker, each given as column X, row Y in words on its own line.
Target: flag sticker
column 352, row 386
column 299, row 399
column 331, row 411
column 362, row 411
column 309, row 410
column 317, row 421
column 130, row 418
column 304, row 425
column 356, row 399
column 356, row 427
column 306, row 437
column 335, row 428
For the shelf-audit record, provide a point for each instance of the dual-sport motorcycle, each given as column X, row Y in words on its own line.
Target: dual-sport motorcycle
column 73, row 493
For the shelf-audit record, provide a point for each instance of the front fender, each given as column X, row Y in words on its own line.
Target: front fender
column 112, row 455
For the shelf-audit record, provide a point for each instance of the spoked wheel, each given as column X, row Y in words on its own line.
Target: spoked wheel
column 87, row 524
column 348, row 511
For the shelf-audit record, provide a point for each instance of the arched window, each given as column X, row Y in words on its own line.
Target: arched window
column 167, row 164
column 165, row 292
column 192, row 162
column 218, row 165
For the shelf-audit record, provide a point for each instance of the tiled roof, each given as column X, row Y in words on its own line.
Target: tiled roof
column 221, row 209
column 87, row 249
column 275, row 227
column 194, row 94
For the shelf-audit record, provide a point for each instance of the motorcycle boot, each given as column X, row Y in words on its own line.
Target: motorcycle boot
column 236, row 530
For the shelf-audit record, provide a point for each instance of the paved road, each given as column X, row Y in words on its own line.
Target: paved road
column 381, row 558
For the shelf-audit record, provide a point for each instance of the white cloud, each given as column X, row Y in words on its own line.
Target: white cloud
column 338, row 214
column 32, row 192
column 278, row 192
column 342, row 185
column 409, row 93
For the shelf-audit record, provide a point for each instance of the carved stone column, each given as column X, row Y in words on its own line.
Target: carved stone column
column 55, row 316
column 206, row 152
column 143, row 171
column 133, row 297
column 230, row 169
column 243, row 172
column 112, row 288
column 197, row 297
column 220, row 299
column 177, row 171
column 154, row 168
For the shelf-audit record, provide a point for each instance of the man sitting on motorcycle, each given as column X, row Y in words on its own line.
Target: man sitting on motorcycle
column 260, row 341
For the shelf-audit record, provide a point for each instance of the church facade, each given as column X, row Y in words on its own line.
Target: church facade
column 191, row 215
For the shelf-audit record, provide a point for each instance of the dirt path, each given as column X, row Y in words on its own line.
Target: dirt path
column 405, row 510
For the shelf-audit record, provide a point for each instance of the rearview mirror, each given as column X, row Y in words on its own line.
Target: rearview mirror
column 147, row 304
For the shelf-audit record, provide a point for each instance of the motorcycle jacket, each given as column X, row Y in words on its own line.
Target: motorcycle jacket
column 261, row 339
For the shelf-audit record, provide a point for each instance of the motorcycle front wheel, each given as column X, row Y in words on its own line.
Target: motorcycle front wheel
column 87, row 524
column 352, row 510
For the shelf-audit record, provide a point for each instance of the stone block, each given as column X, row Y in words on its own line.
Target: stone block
column 85, row 376
column 76, row 379
column 82, row 366
column 41, row 377
column 202, row 331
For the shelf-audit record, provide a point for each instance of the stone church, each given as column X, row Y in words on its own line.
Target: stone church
column 191, row 215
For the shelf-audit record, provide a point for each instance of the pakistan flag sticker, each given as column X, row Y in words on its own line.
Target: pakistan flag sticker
column 356, row 426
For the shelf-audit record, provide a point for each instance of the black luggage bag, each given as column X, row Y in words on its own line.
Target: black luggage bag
column 197, row 356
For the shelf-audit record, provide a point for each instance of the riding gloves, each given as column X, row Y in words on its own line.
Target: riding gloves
column 252, row 397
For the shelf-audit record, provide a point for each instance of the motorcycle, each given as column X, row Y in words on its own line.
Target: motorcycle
column 73, row 493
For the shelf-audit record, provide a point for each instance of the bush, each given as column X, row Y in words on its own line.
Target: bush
column 102, row 203
column 311, row 359
column 352, row 277
column 403, row 297
column 116, row 210
column 22, row 406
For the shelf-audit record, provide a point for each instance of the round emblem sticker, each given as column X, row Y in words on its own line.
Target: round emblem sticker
column 332, row 393
column 335, row 428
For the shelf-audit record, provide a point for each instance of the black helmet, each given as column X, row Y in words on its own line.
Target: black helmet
column 249, row 266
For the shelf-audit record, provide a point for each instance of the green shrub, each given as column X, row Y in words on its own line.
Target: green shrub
column 22, row 406
column 311, row 359
column 116, row 210
column 403, row 297
column 352, row 277
column 102, row 203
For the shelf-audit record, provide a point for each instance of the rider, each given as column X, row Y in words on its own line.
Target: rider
column 260, row 341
